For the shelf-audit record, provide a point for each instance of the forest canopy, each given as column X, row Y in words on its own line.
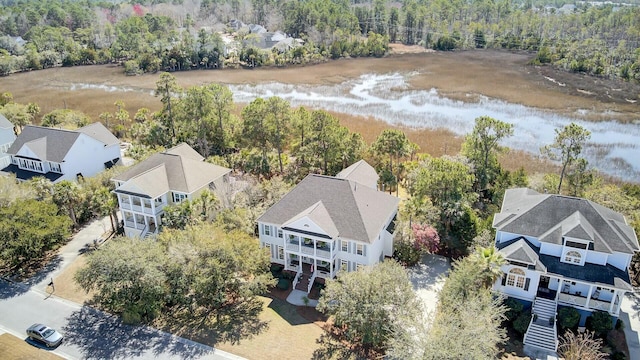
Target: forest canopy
column 600, row 39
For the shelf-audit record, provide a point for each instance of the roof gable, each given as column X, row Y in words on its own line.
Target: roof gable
column 5, row 123
column 315, row 219
column 100, row 133
column 362, row 173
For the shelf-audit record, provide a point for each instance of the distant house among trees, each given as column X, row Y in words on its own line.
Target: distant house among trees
column 562, row 251
column 59, row 154
column 7, row 136
column 163, row 179
column 327, row 224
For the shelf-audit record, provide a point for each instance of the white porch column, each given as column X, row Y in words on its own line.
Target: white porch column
column 560, row 286
column 589, row 294
column 153, row 206
column 613, row 302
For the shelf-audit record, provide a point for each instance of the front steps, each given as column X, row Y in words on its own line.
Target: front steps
column 541, row 332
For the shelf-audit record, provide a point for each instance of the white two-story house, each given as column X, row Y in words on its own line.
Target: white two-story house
column 329, row 224
column 166, row 178
column 59, row 154
column 562, row 251
column 7, row 137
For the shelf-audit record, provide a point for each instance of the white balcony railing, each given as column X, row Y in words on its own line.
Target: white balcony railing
column 131, row 224
column 599, row 305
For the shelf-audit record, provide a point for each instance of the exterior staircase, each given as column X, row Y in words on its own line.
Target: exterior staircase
column 303, row 283
column 542, row 333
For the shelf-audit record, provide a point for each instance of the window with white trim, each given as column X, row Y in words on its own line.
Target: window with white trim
column 344, row 265
column 280, row 233
column 360, row 249
column 55, row 167
column 516, row 277
column 345, row 245
column 573, row 257
column 280, row 253
column 266, row 229
column 177, row 198
column 359, row 267
column 268, row 246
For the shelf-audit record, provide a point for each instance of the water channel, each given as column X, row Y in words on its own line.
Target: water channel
column 612, row 149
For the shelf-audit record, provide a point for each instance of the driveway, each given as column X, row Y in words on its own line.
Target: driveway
column 427, row 278
column 89, row 333
column 630, row 314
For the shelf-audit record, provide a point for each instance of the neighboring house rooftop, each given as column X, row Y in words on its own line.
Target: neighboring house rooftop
column 5, row 123
column 341, row 207
column 51, row 144
column 551, row 217
column 179, row 169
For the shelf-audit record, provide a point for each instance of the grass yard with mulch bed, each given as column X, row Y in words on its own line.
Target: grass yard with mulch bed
column 14, row 348
column 290, row 335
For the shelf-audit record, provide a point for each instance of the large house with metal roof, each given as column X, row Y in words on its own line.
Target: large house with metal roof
column 59, row 154
column 329, row 224
column 562, row 251
column 7, row 137
column 166, row 178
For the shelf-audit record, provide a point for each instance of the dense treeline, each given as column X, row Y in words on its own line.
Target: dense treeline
column 149, row 36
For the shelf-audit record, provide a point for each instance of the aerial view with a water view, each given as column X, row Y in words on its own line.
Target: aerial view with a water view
column 319, row 179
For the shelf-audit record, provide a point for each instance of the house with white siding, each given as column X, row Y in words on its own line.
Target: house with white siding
column 328, row 224
column 163, row 179
column 59, row 154
column 7, row 137
column 562, row 251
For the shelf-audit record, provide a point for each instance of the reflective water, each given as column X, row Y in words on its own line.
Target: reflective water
column 613, row 148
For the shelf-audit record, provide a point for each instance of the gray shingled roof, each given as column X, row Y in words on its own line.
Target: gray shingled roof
column 522, row 251
column 48, row 143
column 166, row 171
column 357, row 211
column 51, row 144
column 360, row 172
column 100, row 133
column 5, row 123
column 550, row 217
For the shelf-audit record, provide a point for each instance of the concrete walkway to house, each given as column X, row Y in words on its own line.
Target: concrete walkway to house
column 69, row 253
column 630, row 314
column 296, row 298
column 427, row 278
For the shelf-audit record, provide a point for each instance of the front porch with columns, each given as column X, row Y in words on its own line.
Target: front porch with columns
column 581, row 294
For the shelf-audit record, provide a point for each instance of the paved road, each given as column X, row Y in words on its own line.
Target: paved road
column 89, row 334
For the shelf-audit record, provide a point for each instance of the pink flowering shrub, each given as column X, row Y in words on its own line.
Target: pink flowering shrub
column 426, row 238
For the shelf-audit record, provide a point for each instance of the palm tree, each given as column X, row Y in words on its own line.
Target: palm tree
column 489, row 261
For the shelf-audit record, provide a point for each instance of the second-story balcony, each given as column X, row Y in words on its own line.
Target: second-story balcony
column 319, row 249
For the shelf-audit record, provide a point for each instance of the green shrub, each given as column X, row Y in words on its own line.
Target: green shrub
column 514, row 309
column 522, row 322
column 568, row 318
column 600, row 322
column 131, row 317
column 618, row 355
column 283, row 284
column 619, row 324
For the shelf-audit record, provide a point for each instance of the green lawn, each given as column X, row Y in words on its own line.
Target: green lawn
column 289, row 335
column 13, row 348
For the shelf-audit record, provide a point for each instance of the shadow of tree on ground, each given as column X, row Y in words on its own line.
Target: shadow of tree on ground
column 103, row 336
column 234, row 323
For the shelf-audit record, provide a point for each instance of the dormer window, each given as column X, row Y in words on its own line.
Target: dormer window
column 574, row 251
column 573, row 257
